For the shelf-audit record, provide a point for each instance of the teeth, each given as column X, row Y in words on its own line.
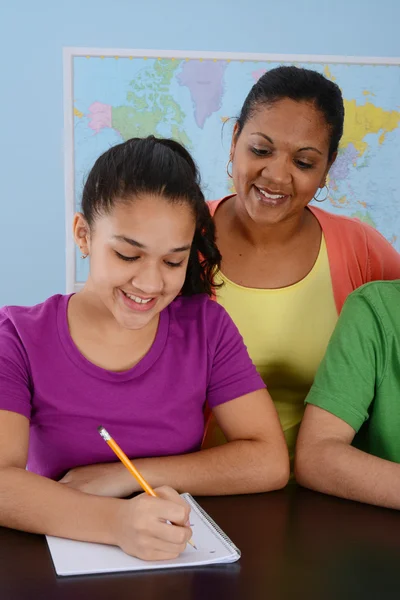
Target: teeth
column 137, row 299
column 271, row 196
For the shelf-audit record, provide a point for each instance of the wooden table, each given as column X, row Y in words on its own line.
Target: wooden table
column 294, row 543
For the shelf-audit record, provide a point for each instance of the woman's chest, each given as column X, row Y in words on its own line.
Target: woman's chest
column 286, row 330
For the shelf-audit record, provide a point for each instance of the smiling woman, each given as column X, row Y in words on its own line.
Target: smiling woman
column 288, row 267
column 139, row 350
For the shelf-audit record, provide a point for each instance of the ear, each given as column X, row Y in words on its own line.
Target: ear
column 81, row 232
column 328, row 168
column 235, row 136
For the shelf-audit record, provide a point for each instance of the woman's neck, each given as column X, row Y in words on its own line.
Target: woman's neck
column 266, row 236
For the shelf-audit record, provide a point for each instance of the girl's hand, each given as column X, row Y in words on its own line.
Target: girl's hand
column 109, row 479
column 141, row 528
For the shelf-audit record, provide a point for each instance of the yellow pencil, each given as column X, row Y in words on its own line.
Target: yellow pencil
column 129, row 465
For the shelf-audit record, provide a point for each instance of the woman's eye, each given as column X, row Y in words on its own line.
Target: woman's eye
column 303, row 165
column 127, row 258
column 260, row 151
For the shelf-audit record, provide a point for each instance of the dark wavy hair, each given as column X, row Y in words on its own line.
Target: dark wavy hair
column 160, row 167
column 299, row 85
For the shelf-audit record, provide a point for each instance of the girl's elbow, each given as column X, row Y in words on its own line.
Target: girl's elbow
column 283, row 471
column 277, row 471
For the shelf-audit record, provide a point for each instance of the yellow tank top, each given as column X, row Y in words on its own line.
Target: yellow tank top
column 286, row 332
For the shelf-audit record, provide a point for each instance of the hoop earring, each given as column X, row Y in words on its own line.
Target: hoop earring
column 322, row 199
column 84, row 256
column 227, row 168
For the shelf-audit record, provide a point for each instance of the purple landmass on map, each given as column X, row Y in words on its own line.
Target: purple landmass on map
column 204, row 79
column 257, row 74
column 341, row 167
column 100, row 116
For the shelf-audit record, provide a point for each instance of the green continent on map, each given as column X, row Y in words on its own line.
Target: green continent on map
column 181, row 136
column 130, row 122
column 149, row 105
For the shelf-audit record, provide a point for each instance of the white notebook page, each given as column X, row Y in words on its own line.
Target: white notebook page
column 77, row 558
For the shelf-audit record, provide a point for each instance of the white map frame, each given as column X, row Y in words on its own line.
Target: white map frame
column 69, row 53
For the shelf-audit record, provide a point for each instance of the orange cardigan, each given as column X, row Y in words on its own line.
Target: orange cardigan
column 357, row 252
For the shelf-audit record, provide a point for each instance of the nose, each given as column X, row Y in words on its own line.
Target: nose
column 277, row 170
column 148, row 280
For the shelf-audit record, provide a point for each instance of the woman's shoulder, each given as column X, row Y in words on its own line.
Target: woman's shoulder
column 213, row 204
column 350, row 230
column 340, row 221
column 352, row 225
column 358, row 248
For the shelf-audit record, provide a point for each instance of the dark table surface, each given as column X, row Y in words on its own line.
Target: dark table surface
column 295, row 544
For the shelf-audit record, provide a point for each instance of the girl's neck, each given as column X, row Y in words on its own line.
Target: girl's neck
column 100, row 339
column 93, row 315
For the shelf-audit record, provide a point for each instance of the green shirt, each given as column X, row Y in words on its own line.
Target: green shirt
column 359, row 377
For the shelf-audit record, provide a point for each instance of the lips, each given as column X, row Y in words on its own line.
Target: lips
column 271, row 195
column 269, row 198
column 137, row 299
column 137, row 303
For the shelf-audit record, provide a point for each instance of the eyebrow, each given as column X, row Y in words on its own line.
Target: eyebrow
column 311, row 148
column 271, row 141
column 132, row 242
column 264, row 136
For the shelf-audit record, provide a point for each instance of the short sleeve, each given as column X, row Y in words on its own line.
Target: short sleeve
column 354, row 363
column 232, row 373
column 384, row 260
column 15, row 384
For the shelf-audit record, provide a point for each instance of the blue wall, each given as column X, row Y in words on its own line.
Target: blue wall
column 32, row 35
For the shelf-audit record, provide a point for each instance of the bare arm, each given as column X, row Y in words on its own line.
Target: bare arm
column 326, row 462
column 255, row 459
column 39, row 505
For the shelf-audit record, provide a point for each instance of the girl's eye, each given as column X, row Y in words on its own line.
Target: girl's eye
column 135, row 258
column 174, row 265
column 260, row 151
column 127, row 258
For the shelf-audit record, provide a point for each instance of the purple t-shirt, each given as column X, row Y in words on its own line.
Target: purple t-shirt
column 153, row 409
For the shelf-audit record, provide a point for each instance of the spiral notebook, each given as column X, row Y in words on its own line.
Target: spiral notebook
column 81, row 558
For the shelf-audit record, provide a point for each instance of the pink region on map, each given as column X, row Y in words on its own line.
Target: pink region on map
column 257, row 74
column 100, row 116
column 205, row 80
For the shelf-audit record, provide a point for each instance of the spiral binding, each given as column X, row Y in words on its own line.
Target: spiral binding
column 224, row 538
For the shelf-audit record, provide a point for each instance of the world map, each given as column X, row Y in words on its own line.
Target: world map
column 196, row 101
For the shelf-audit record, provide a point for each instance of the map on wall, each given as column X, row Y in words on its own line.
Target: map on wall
column 194, row 97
